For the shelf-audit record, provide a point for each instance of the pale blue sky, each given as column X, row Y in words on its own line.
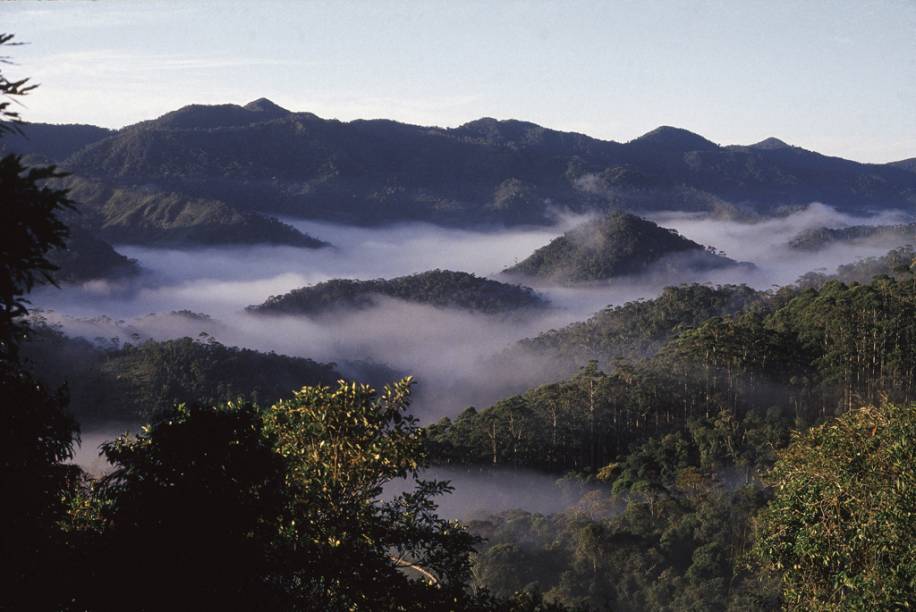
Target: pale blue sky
column 835, row 76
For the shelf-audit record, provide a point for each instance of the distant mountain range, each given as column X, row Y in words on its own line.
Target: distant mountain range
column 617, row 245
column 261, row 158
column 440, row 288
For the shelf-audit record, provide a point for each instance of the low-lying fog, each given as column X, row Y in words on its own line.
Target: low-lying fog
column 448, row 351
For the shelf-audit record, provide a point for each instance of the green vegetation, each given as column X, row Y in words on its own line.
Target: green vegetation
column 617, row 245
column 888, row 235
column 236, row 507
column 441, row 288
column 808, row 354
column 677, row 448
column 140, row 381
column 724, row 455
column 36, row 434
column 636, row 329
column 839, row 530
column 899, row 263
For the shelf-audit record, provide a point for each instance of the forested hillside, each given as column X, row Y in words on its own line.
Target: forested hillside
column 637, row 329
column 809, row 353
column 86, row 257
column 676, row 445
column 139, row 381
column 441, row 288
column 617, row 245
column 138, row 215
column 898, row 263
column 885, row 235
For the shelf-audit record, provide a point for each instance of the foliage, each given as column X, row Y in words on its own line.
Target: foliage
column 803, row 356
column 839, row 531
column 31, row 227
column 36, row 434
column 237, row 507
column 441, row 288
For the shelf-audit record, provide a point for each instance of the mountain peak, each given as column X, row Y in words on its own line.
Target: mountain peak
column 676, row 139
column 263, row 105
column 770, row 144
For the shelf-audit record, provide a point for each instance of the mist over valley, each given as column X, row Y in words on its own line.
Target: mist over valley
column 313, row 306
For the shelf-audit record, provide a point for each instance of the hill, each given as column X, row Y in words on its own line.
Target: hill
column 636, row 329
column 615, row 245
column 441, row 288
column 135, row 215
column 899, row 263
column 265, row 158
column 887, row 235
column 88, row 258
column 50, row 141
column 140, row 381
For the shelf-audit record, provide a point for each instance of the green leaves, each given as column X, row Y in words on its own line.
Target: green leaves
column 841, row 521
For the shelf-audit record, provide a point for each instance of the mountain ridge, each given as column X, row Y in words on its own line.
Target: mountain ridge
column 264, row 158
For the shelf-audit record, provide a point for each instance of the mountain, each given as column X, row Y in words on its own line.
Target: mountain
column 135, row 215
column 52, row 142
column 905, row 164
column 440, row 288
column 770, row 144
column 261, row 157
column 614, row 245
column 887, row 235
column 89, row 258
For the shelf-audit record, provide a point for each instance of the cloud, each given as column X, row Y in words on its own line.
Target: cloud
column 455, row 355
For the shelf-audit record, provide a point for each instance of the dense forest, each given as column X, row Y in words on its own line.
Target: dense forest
column 108, row 381
column 636, row 329
column 680, row 445
column 442, row 288
column 617, row 245
column 724, row 447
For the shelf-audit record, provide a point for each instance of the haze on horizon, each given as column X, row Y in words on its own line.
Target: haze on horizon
column 835, row 77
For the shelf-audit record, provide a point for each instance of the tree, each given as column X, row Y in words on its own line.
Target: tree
column 36, row 435
column 839, row 530
column 239, row 507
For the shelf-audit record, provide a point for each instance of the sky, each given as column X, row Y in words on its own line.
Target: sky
column 835, row 76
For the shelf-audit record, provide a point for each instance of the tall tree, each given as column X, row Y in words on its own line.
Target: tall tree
column 35, row 433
